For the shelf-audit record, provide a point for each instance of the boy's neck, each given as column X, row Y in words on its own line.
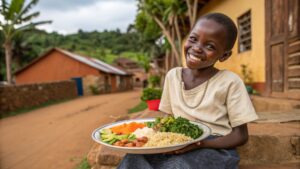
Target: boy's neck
column 204, row 73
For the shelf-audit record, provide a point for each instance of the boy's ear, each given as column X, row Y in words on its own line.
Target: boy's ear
column 226, row 55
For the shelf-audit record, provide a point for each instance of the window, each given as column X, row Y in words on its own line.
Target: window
column 244, row 26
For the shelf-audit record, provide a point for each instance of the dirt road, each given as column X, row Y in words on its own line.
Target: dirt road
column 58, row 136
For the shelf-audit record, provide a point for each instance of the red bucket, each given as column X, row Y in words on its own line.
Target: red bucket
column 153, row 104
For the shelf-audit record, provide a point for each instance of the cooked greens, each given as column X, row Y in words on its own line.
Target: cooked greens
column 176, row 125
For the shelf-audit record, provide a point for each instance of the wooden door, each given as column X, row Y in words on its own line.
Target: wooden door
column 283, row 48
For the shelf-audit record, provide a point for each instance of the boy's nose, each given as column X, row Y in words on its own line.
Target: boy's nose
column 197, row 48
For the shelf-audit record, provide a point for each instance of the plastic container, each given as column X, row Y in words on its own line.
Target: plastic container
column 153, row 104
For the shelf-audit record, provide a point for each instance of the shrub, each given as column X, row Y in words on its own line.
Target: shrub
column 246, row 74
column 154, row 81
column 151, row 94
column 95, row 90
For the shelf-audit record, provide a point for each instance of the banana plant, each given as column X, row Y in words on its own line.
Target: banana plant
column 16, row 20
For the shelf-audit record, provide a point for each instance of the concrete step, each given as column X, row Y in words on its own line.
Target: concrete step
column 271, row 143
column 272, row 166
column 265, row 104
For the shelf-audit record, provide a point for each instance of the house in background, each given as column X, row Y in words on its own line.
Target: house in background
column 89, row 73
column 139, row 74
column 268, row 43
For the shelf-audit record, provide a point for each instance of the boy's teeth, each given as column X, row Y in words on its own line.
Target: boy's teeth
column 194, row 58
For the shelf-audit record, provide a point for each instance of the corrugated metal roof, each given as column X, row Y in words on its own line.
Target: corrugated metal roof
column 95, row 63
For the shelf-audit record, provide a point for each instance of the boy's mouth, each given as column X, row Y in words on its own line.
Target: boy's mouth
column 194, row 58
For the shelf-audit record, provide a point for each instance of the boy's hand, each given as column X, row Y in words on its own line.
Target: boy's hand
column 186, row 149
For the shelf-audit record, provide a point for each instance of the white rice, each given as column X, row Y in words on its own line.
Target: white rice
column 145, row 131
column 160, row 139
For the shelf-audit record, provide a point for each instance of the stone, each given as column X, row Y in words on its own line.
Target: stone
column 295, row 141
column 91, row 157
column 107, row 167
column 108, row 156
column 263, row 149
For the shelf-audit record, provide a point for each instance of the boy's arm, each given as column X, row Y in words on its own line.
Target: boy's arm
column 237, row 137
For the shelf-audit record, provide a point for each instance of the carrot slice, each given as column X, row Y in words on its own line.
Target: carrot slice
column 127, row 128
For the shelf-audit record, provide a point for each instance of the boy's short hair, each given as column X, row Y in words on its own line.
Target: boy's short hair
column 224, row 20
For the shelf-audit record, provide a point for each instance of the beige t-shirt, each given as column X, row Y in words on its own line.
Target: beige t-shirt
column 225, row 104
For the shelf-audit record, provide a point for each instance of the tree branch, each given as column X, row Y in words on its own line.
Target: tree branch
column 169, row 38
column 195, row 8
column 190, row 12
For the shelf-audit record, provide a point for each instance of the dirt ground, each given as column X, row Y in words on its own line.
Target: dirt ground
column 59, row 136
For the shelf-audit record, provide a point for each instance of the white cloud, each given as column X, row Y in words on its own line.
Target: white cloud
column 100, row 15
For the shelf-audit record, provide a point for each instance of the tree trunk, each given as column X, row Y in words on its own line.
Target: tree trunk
column 169, row 38
column 167, row 62
column 178, row 34
column 8, row 56
column 177, row 60
column 190, row 12
column 194, row 12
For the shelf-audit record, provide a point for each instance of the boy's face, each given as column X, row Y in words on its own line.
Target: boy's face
column 206, row 45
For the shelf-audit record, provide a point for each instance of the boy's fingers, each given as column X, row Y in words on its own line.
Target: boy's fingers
column 187, row 148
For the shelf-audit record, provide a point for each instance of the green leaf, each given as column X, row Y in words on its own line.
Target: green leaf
column 151, row 94
column 14, row 8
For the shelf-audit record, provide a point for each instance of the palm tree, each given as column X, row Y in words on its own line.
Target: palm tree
column 16, row 21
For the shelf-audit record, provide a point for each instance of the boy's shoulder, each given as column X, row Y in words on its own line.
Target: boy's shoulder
column 225, row 74
column 174, row 72
column 230, row 76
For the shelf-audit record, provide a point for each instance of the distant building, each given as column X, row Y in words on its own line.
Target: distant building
column 139, row 74
column 58, row 65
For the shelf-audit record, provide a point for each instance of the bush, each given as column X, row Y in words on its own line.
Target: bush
column 95, row 90
column 154, row 81
column 151, row 94
column 247, row 74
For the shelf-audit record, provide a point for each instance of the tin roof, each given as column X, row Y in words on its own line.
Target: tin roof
column 93, row 62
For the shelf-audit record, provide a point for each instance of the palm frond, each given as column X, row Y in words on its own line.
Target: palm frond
column 4, row 9
column 29, row 6
column 27, row 27
column 29, row 17
column 3, row 5
column 15, row 8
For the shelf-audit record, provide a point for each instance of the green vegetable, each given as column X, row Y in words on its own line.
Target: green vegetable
column 176, row 125
column 109, row 137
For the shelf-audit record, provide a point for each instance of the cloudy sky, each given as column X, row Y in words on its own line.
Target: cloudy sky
column 68, row 16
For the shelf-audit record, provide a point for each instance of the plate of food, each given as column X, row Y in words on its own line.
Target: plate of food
column 150, row 135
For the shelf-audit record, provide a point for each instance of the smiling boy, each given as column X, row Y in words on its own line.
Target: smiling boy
column 203, row 93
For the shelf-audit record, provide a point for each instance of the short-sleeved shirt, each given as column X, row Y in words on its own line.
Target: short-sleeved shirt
column 221, row 103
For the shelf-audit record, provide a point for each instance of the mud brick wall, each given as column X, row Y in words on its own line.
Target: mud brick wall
column 97, row 82
column 16, row 97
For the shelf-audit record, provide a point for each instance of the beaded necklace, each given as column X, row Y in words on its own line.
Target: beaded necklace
column 185, row 103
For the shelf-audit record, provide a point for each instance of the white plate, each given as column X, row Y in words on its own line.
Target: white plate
column 147, row 150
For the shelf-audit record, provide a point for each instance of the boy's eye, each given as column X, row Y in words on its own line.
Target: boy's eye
column 193, row 39
column 210, row 47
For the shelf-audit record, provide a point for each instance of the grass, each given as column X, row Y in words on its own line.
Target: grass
column 140, row 107
column 25, row 110
column 83, row 164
